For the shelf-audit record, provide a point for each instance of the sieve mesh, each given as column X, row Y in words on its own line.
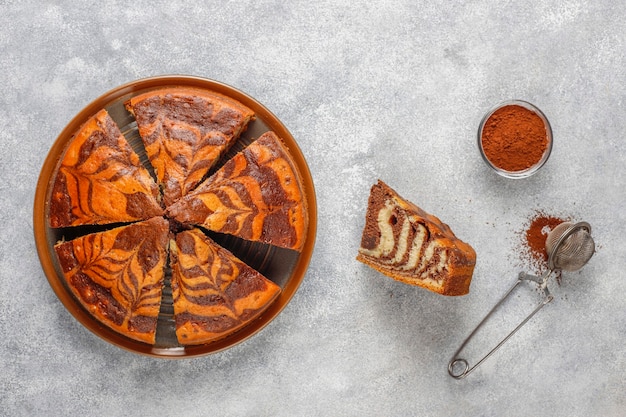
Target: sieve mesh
column 570, row 246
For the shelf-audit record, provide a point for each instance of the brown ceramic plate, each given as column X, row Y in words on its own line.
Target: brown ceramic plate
column 286, row 268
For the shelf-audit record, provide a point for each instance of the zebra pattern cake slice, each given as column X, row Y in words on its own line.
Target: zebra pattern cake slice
column 117, row 275
column 185, row 131
column 215, row 293
column 100, row 179
column 257, row 195
column 406, row 243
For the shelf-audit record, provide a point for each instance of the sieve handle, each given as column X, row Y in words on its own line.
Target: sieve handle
column 458, row 367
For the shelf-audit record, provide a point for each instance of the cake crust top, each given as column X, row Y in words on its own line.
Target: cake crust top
column 257, row 195
column 117, row 275
column 185, row 131
column 214, row 292
column 100, row 179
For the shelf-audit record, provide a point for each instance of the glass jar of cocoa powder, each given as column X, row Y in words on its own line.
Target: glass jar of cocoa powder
column 515, row 139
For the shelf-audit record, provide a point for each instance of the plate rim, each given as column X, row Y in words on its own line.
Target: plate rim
column 41, row 228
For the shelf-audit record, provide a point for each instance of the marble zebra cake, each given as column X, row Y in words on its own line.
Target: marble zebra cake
column 117, row 275
column 407, row 244
column 100, row 179
column 185, row 131
column 214, row 292
column 115, row 266
column 257, row 195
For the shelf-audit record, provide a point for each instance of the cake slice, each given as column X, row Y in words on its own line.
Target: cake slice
column 117, row 275
column 257, row 195
column 407, row 244
column 215, row 294
column 185, row 131
column 100, row 179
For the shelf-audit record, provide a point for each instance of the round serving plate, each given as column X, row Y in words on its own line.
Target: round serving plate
column 285, row 267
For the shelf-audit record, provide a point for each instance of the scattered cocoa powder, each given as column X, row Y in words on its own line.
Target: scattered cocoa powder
column 534, row 240
column 537, row 233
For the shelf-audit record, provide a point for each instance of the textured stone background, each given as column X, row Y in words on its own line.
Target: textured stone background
column 370, row 89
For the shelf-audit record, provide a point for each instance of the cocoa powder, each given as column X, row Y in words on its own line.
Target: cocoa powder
column 534, row 240
column 537, row 233
column 514, row 138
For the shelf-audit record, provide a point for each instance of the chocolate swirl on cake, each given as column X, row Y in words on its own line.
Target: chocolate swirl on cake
column 100, row 179
column 117, row 275
column 214, row 292
column 185, row 131
column 257, row 195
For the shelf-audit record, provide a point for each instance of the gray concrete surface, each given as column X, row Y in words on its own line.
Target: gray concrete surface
column 370, row 89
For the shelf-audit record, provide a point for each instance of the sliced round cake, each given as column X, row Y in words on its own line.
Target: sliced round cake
column 139, row 229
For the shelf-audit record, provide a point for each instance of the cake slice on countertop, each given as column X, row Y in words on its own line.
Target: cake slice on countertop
column 257, row 195
column 100, row 179
column 405, row 243
column 215, row 294
column 117, row 275
column 185, row 131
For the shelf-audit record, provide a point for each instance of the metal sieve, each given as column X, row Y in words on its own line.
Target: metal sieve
column 569, row 247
